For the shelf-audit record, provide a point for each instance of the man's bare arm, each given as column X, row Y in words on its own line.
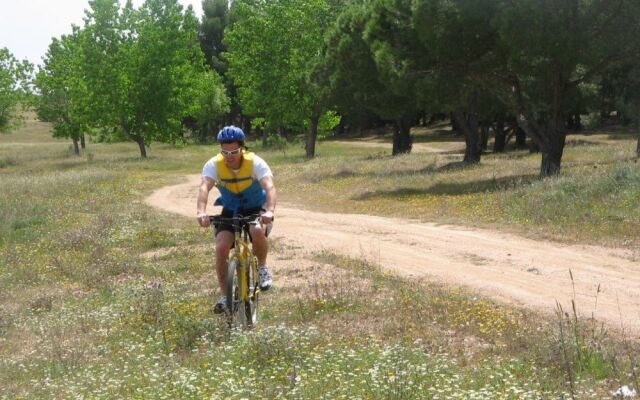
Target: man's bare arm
column 270, row 189
column 203, row 197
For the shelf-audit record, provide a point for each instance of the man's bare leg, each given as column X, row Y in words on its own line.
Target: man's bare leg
column 260, row 249
column 260, row 244
column 224, row 241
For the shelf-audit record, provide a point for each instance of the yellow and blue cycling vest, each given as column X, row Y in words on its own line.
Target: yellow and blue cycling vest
column 240, row 190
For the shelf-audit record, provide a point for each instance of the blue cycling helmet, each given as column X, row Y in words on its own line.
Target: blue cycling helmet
column 230, row 134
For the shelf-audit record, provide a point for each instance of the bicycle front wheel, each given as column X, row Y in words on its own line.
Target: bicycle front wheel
column 251, row 302
column 235, row 309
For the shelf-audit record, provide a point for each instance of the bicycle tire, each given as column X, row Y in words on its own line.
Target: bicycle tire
column 251, row 304
column 235, row 314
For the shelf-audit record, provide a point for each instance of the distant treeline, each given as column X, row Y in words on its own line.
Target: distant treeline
column 283, row 68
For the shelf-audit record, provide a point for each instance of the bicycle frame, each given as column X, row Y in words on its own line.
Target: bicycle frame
column 242, row 253
column 242, row 265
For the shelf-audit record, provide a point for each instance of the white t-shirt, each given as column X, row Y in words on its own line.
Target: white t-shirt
column 260, row 169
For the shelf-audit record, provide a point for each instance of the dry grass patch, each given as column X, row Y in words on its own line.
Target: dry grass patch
column 163, row 252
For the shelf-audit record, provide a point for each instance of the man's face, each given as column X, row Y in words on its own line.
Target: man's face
column 232, row 153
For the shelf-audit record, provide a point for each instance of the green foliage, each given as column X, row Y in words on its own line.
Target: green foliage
column 213, row 104
column 568, row 44
column 214, row 21
column 592, row 120
column 278, row 142
column 328, row 122
column 362, row 69
column 146, row 71
column 64, row 95
column 620, row 92
column 578, row 343
column 274, row 50
column 15, row 89
column 542, row 60
column 392, row 38
column 556, row 44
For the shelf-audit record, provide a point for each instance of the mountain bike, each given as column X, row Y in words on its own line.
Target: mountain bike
column 242, row 273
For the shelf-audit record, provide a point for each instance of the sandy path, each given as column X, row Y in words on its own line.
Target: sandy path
column 503, row 266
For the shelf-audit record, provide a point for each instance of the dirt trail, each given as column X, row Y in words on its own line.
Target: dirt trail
column 506, row 267
column 441, row 148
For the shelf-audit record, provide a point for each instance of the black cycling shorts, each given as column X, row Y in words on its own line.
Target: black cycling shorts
column 227, row 213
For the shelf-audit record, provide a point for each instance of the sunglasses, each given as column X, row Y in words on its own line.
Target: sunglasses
column 231, row 152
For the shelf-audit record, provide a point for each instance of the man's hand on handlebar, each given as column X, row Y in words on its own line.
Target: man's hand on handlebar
column 266, row 217
column 203, row 219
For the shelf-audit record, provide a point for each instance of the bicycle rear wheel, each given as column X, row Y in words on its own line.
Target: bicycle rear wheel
column 235, row 312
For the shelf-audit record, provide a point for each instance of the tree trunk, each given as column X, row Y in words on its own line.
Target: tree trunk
column 521, row 138
column 484, row 137
column 552, row 154
column 136, row 138
column 533, row 147
column 455, row 126
column 265, row 135
column 468, row 123
column 638, row 134
column 245, row 124
column 140, row 140
column 283, row 133
column 472, row 151
column 312, row 135
column 402, row 140
column 552, row 143
column 82, row 144
column 550, row 138
column 76, row 149
column 421, row 119
column 341, row 129
column 501, row 136
column 574, row 122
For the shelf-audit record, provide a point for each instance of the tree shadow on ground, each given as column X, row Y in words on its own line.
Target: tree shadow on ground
column 580, row 142
column 426, row 170
column 452, row 189
column 598, row 163
column 455, row 166
column 68, row 164
column 511, row 154
column 347, row 173
column 612, row 132
column 438, row 135
column 622, row 136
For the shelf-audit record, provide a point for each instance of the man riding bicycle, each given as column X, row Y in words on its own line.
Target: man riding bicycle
column 246, row 187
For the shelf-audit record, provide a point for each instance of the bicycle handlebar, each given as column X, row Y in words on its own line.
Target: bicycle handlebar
column 239, row 219
column 233, row 220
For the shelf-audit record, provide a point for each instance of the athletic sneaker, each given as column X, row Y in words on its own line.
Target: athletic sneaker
column 221, row 305
column 265, row 278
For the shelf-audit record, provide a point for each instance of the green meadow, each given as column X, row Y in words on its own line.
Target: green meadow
column 102, row 296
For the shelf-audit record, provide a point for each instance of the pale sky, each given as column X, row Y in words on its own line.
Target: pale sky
column 27, row 26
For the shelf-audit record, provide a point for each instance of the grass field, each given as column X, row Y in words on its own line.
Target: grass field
column 103, row 297
column 595, row 200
